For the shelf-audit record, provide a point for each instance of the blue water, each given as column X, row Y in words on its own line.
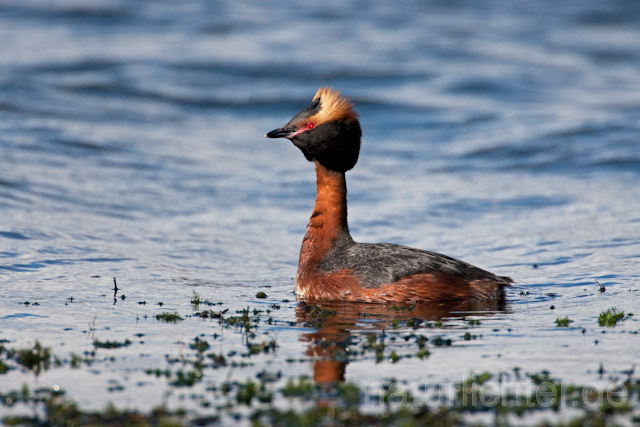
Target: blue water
column 131, row 146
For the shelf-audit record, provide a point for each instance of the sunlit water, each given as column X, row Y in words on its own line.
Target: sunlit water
column 131, row 146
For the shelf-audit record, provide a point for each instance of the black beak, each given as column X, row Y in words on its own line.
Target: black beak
column 282, row 132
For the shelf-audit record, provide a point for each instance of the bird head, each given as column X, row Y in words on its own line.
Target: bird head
column 327, row 131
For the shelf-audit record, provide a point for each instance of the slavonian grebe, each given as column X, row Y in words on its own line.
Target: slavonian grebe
column 334, row 267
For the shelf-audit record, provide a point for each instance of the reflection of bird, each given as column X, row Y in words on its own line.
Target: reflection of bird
column 334, row 267
column 330, row 328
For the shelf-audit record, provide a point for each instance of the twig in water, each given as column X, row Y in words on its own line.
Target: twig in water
column 115, row 290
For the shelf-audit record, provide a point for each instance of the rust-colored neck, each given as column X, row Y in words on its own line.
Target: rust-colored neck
column 328, row 224
column 330, row 212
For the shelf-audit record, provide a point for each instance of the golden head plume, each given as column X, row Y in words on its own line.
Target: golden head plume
column 333, row 106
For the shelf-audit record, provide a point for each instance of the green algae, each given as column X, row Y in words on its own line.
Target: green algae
column 111, row 344
column 611, row 317
column 563, row 322
column 256, row 399
column 169, row 317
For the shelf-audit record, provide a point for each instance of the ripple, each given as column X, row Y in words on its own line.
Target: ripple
column 41, row 264
column 516, row 203
column 23, row 315
column 13, row 235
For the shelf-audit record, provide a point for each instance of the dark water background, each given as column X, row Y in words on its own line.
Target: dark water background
column 131, row 145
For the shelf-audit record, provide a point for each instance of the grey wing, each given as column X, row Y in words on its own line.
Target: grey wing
column 381, row 263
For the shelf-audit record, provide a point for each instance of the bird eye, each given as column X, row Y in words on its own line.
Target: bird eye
column 310, row 125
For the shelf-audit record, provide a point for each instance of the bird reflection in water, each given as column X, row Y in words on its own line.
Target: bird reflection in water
column 337, row 323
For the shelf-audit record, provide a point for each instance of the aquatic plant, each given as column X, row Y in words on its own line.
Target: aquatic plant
column 199, row 345
column 317, row 315
column 195, row 299
column 611, row 317
column 169, row 317
column 210, row 314
column 341, row 403
column 468, row 336
column 186, row 379
column 249, row 390
column 34, row 359
column 439, row 341
column 4, row 368
column 302, row 388
column 111, row 344
column 259, row 399
column 563, row 322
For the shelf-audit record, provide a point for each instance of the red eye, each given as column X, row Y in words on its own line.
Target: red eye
column 310, row 126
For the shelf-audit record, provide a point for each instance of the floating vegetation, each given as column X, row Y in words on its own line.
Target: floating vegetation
column 195, row 299
column 199, row 345
column 309, row 403
column 76, row 361
column 316, row 315
column 218, row 360
column 246, row 320
column 303, row 388
column 439, row 341
column 375, row 344
column 611, row 317
column 250, row 390
column 601, row 287
column 169, row 317
column 228, row 340
column 186, row 379
column 36, row 358
column 563, row 322
column 57, row 410
column 111, row 344
column 468, row 336
column 423, row 353
column 210, row 314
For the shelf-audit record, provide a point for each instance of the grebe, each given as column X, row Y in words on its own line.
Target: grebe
column 332, row 265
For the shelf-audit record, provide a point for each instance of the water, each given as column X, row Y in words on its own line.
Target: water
column 131, row 146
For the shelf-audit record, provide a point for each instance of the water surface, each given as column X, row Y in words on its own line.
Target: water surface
column 505, row 134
